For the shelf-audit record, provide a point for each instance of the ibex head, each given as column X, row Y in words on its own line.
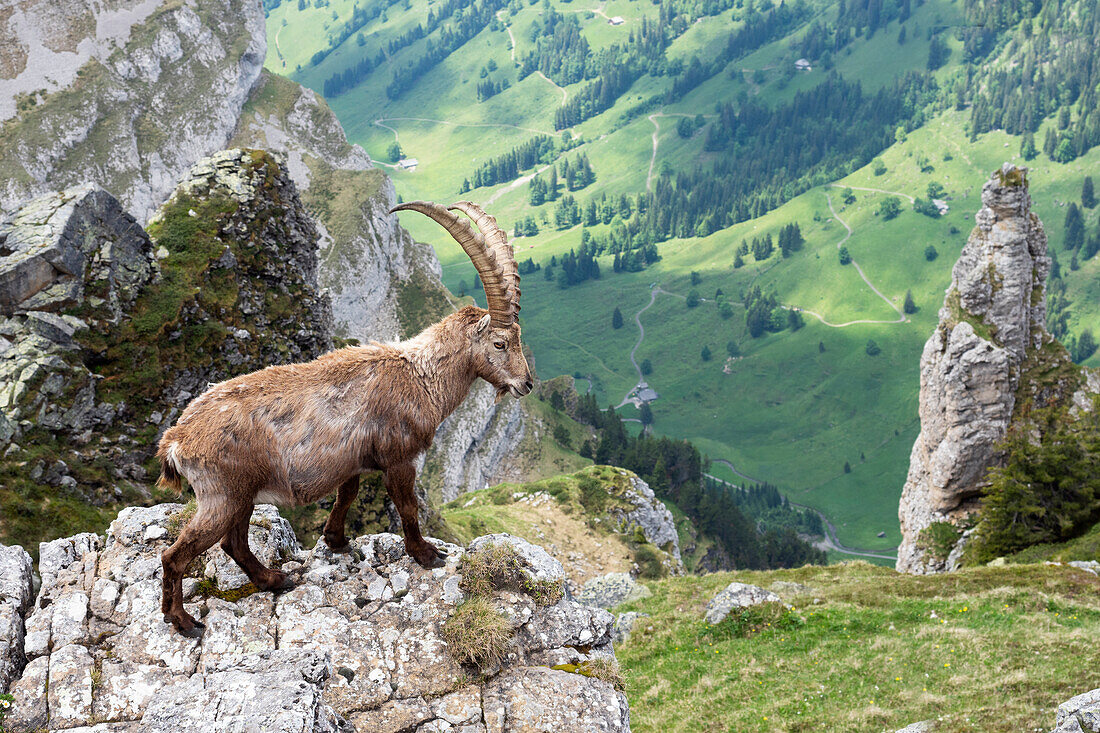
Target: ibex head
column 497, row 348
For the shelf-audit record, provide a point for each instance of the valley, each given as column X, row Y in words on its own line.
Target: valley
column 810, row 409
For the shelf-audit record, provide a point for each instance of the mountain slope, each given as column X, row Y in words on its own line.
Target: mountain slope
column 807, row 408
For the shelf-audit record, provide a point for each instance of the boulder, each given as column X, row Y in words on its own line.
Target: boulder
column 737, row 595
column 355, row 645
column 1080, row 714
column 608, row 591
column 16, row 595
column 624, row 626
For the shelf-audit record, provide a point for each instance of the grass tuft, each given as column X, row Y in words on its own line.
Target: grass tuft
column 477, row 633
column 180, row 519
column 499, row 567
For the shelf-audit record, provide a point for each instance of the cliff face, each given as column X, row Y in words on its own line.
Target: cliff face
column 137, row 92
column 126, row 94
column 383, row 284
column 358, row 644
column 987, row 351
column 110, row 330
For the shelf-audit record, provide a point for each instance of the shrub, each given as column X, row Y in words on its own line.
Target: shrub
column 938, row 539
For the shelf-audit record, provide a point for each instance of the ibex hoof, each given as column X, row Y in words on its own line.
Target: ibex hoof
column 428, row 556
column 195, row 632
column 341, row 546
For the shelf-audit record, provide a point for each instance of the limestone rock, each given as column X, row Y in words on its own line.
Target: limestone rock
column 1080, row 714
column 624, row 626
column 15, row 598
column 356, row 645
column 991, row 331
column 608, row 591
column 737, row 595
column 538, row 563
column 532, row 699
column 652, row 517
column 126, row 95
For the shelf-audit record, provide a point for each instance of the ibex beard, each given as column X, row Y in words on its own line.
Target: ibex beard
column 293, row 434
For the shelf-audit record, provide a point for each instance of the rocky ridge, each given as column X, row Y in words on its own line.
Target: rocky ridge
column 126, row 94
column 356, row 645
column 990, row 352
column 110, row 331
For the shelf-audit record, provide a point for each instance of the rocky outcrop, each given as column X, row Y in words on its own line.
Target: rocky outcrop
column 651, row 517
column 127, row 96
column 736, row 595
column 608, row 591
column 1080, row 714
column 16, row 594
column 110, row 331
column 356, row 645
column 990, row 337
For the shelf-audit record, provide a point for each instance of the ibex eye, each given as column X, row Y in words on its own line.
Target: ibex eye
column 499, row 345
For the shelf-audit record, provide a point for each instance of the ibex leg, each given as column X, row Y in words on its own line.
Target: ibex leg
column 334, row 527
column 400, row 485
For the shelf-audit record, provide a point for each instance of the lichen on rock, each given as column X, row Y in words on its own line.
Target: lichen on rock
column 356, row 645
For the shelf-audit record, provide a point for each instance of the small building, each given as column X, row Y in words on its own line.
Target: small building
column 408, row 164
column 617, row 20
column 803, row 65
column 941, row 206
column 646, row 394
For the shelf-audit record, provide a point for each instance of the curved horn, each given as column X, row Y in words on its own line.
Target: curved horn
column 473, row 244
column 497, row 242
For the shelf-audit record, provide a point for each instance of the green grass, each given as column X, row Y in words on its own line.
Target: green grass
column 788, row 412
column 866, row 649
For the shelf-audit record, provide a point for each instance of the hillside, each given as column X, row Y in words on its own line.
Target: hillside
column 805, row 408
column 862, row 648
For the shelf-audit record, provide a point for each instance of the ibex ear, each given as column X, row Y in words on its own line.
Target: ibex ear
column 483, row 324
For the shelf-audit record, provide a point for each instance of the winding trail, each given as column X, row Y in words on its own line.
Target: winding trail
column 901, row 315
column 831, row 540
column 512, row 40
column 656, row 133
column 514, row 185
column 583, row 350
column 873, row 190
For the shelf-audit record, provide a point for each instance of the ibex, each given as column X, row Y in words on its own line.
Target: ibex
column 292, row 434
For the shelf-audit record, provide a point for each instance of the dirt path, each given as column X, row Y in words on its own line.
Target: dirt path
column 514, row 185
column 589, row 353
column 830, row 541
column 512, row 41
column 873, row 190
column 901, row 316
column 656, row 133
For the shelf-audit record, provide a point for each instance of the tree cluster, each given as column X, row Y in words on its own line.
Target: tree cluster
column 674, row 470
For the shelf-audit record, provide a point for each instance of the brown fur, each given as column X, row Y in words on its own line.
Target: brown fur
column 294, row 434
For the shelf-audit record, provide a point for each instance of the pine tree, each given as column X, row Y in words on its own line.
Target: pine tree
column 1074, row 228
column 617, row 318
column 1088, row 196
column 910, row 307
column 1027, row 146
column 705, row 353
column 646, row 414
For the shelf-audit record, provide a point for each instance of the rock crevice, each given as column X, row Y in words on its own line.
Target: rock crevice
column 356, row 645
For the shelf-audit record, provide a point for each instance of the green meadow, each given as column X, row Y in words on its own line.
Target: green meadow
column 794, row 407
